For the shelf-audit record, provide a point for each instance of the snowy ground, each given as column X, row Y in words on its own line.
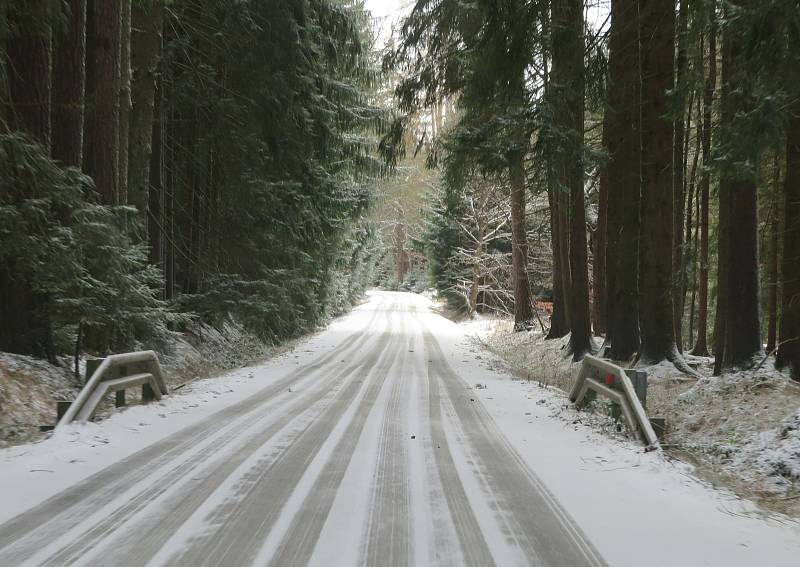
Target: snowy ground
column 29, row 387
column 742, row 430
column 635, row 508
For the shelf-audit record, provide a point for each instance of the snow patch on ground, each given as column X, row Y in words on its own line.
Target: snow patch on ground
column 747, row 424
column 638, row 508
column 739, row 429
column 773, row 454
column 29, row 474
column 29, row 387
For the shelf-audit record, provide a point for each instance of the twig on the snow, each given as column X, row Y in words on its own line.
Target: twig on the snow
column 41, row 470
column 773, row 351
column 618, row 468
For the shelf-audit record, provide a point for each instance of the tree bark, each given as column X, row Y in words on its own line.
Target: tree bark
column 692, row 196
column 701, row 346
column 559, row 321
column 599, row 268
column 773, row 277
column 624, row 174
column 523, row 313
column 678, row 173
column 657, row 21
column 566, row 89
column 29, row 52
column 101, row 128
column 148, row 19
column 155, row 189
column 69, row 81
column 124, row 90
column 738, row 199
column 523, row 310
column 789, row 349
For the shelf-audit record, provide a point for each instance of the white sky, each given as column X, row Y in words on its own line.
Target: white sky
column 388, row 12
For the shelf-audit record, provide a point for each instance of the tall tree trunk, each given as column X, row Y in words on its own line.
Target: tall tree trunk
column 564, row 237
column 124, row 77
column 701, row 346
column 657, row 21
column 25, row 326
column 523, row 313
column 692, row 195
column 624, row 176
column 738, row 199
column 69, row 81
column 155, row 189
column 559, row 321
column 523, row 310
column 566, row 89
column 693, row 307
column 559, row 324
column 772, row 262
column 789, row 349
column 599, row 268
column 102, row 151
column 678, row 172
column 29, row 52
column 148, row 17
column 475, row 284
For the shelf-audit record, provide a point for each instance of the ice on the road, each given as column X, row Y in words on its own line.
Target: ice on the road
column 366, row 446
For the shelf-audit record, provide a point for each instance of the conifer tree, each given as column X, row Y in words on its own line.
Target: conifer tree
column 102, row 122
column 25, row 307
column 69, row 82
column 657, row 43
column 700, row 347
column 567, row 92
column 624, row 179
column 738, row 330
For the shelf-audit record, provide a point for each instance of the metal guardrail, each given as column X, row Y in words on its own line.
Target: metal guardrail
column 115, row 374
column 617, row 386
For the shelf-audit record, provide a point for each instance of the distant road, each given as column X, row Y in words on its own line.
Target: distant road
column 373, row 454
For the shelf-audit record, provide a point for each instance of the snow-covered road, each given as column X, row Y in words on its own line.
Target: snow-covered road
column 369, row 447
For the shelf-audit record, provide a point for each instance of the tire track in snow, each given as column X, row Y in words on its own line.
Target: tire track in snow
column 235, row 530
column 434, row 538
column 184, row 496
column 474, row 547
column 387, row 537
column 531, row 517
column 23, row 535
column 298, row 545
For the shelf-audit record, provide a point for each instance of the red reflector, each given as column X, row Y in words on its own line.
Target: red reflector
column 609, row 379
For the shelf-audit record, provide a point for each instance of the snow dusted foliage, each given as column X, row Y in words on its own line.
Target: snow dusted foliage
column 84, row 277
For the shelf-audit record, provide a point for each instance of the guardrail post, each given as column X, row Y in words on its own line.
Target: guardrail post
column 61, row 408
column 639, row 381
column 147, row 393
column 91, row 366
